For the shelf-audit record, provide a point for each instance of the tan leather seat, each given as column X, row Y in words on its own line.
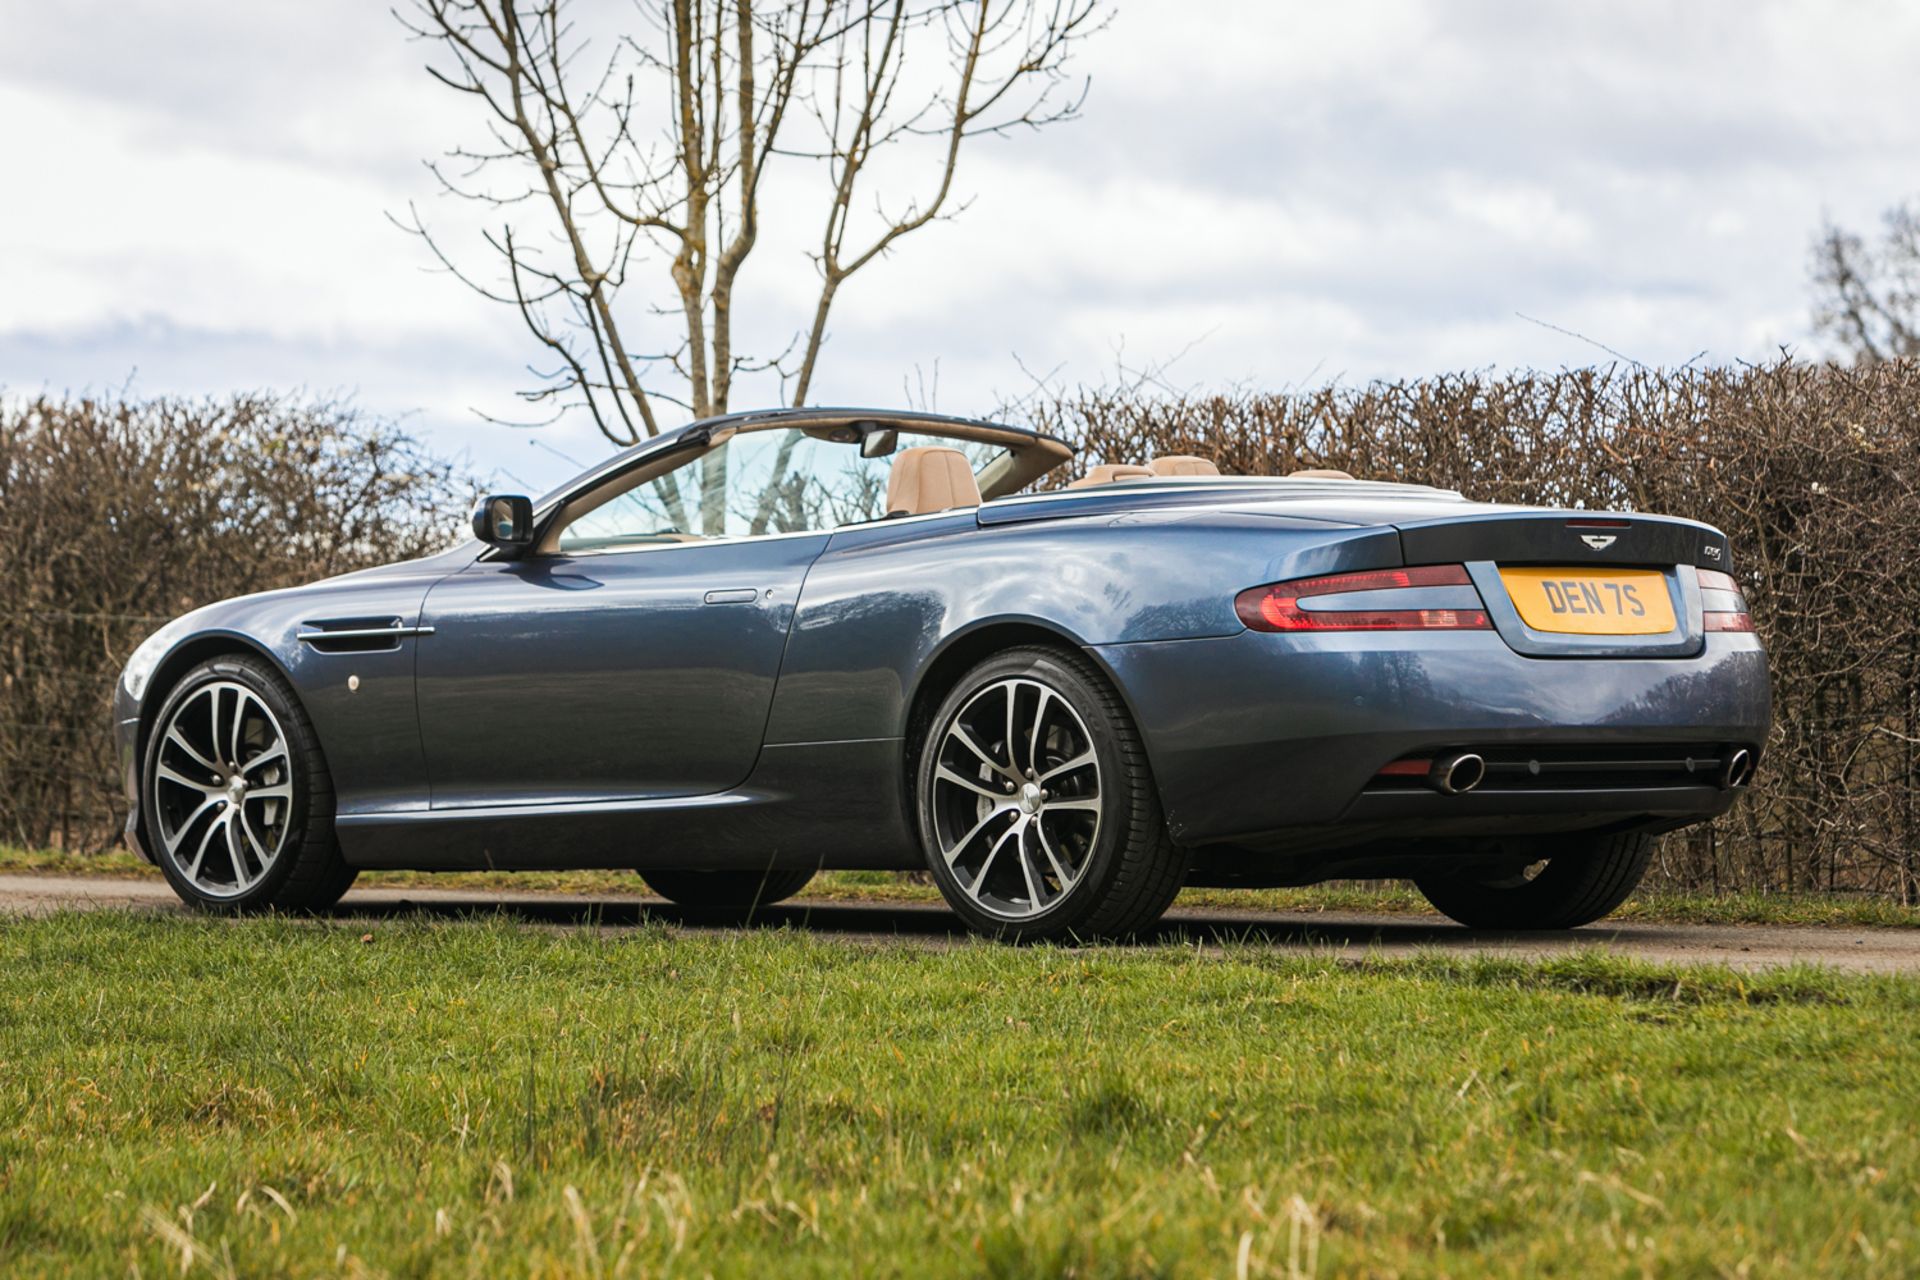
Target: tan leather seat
column 1108, row 472
column 1182, row 464
column 1319, row 473
column 930, row 479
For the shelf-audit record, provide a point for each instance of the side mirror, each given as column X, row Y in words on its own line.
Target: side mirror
column 504, row 520
column 879, row 442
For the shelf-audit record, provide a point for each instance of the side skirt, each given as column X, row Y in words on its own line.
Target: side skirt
column 826, row 805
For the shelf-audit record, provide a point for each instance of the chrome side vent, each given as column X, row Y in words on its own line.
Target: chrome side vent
column 357, row 635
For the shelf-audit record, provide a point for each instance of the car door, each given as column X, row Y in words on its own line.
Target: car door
column 571, row 678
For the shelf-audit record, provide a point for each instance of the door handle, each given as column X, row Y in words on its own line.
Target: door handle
column 734, row 595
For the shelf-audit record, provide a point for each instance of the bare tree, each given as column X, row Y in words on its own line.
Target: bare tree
column 1867, row 295
column 655, row 154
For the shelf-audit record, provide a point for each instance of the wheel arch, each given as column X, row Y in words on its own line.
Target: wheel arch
column 193, row 651
column 963, row 650
column 183, row 658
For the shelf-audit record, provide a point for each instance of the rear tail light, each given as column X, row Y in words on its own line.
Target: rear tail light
column 1714, row 580
column 1726, row 607
column 1277, row 607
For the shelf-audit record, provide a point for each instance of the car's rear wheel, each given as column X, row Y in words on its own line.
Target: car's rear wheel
column 1583, row 881
column 1037, row 808
column 238, row 800
column 726, row 890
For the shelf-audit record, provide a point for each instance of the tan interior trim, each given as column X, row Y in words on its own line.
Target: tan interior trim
column 1110, row 473
column 930, row 478
column 1183, row 464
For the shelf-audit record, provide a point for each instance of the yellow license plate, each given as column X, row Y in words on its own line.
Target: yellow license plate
column 1592, row 602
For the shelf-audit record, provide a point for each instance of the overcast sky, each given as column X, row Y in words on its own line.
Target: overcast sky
column 196, row 199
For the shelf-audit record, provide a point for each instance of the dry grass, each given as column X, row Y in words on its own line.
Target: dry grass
column 1747, row 907
column 483, row 1099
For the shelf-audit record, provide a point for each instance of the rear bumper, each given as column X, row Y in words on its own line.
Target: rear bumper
column 1258, row 735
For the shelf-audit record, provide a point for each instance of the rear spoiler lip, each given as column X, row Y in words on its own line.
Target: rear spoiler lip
column 1565, row 538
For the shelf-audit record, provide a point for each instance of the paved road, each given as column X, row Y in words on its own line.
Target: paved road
column 1742, row 946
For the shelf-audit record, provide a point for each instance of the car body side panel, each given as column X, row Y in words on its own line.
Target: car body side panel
column 805, row 806
column 884, row 601
column 370, row 734
column 570, row 679
column 1255, row 733
column 1250, row 734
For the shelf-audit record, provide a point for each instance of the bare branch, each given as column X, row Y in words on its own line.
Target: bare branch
column 1867, row 295
column 657, row 151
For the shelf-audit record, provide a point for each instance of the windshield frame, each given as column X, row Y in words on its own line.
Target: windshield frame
column 1029, row 455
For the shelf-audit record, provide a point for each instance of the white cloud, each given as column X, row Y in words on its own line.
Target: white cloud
column 199, row 190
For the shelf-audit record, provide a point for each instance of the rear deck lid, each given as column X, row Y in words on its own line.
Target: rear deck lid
column 1580, row 584
column 1563, row 537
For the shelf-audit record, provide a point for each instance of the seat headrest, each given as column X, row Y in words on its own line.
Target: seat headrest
column 1182, row 464
column 929, row 479
column 1108, row 472
column 1319, row 473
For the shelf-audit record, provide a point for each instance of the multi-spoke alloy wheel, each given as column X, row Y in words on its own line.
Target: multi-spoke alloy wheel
column 238, row 804
column 1036, row 805
column 1016, row 797
column 222, row 793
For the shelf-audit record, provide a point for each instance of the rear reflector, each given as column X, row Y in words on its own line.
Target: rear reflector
column 1715, row 621
column 1277, row 607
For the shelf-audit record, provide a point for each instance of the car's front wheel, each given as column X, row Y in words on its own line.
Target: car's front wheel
column 238, row 801
column 1584, row 880
column 1037, row 809
column 726, row 890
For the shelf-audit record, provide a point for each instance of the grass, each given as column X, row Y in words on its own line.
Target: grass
column 1746, row 907
column 489, row 1099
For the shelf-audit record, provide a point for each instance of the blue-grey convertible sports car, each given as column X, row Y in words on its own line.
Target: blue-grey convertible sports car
column 777, row 642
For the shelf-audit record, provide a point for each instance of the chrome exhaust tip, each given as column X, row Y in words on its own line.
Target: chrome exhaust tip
column 1737, row 771
column 1457, row 774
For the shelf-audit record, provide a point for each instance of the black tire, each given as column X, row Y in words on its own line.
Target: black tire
column 1125, row 869
column 730, row 891
column 1580, row 883
column 306, row 871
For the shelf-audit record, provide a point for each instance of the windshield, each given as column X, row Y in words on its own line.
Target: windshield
column 756, row 483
